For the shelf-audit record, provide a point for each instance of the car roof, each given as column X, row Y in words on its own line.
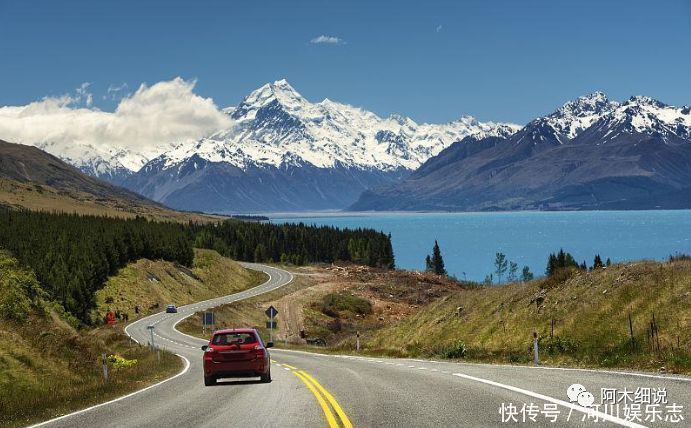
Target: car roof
column 235, row 330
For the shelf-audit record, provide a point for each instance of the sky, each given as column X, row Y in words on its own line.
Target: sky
column 432, row 61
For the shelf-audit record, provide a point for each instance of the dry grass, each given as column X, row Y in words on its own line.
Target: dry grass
column 420, row 315
column 250, row 313
column 590, row 312
column 37, row 197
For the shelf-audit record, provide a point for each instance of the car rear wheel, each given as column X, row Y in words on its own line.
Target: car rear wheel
column 209, row 381
column 266, row 377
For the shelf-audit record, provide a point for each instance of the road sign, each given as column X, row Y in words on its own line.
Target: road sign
column 271, row 312
column 208, row 318
column 272, row 324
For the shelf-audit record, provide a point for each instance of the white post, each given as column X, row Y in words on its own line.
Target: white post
column 271, row 329
column 105, row 368
column 536, row 357
column 151, row 329
column 357, row 342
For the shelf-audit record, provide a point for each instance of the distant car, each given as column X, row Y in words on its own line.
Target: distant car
column 236, row 353
column 171, row 309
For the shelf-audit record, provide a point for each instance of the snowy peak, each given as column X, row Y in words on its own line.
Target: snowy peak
column 578, row 115
column 645, row 115
column 275, row 126
column 279, row 93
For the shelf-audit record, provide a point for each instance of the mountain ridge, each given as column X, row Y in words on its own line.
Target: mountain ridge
column 589, row 154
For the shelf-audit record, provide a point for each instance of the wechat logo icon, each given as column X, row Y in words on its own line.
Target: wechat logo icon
column 578, row 394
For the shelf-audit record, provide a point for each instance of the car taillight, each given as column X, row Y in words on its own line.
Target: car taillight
column 259, row 351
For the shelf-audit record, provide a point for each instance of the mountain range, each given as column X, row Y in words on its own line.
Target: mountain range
column 285, row 153
column 592, row 153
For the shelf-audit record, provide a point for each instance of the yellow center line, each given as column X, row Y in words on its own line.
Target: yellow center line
column 332, row 400
column 325, row 407
column 321, row 393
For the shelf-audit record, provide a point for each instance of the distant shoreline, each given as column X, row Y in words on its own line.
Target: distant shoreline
column 331, row 214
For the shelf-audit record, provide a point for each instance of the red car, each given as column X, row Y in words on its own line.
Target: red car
column 236, row 353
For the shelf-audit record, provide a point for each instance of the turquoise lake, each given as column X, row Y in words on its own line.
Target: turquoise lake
column 469, row 241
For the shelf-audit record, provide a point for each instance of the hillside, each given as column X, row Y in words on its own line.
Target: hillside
column 48, row 367
column 36, row 180
column 412, row 314
column 592, row 153
column 590, row 312
column 151, row 285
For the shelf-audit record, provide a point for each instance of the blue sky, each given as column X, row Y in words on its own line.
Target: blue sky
column 433, row 61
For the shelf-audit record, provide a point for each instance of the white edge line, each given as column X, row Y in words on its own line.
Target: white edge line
column 578, row 408
column 513, row 366
column 78, row 412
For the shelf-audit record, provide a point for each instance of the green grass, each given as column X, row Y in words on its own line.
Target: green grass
column 48, row 367
column 151, row 285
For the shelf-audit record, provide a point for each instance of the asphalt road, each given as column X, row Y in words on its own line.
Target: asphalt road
column 317, row 390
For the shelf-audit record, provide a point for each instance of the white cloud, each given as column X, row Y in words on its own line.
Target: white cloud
column 439, row 27
column 117, row 91
column 166, row 112
column 327, row 40
column 83, row 94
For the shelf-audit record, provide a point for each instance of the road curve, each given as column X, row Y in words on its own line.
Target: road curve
column 372, row 392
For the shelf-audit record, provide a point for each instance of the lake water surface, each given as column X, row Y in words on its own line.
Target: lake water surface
column 469, row 241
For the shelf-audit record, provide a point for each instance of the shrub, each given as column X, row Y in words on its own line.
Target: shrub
column 455, row 350
column 118, row 362
column 333, row 303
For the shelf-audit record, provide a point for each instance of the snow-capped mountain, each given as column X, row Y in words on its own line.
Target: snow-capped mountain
column 566, row 122
column 113, row 164
column 278, row 138
column 591, row 153
column 275, row 125
column 642, row 115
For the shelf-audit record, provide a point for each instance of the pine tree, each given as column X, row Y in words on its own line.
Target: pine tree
column 608, row 262
column 437, row 260
column 428, row 264
column 513, row 269
column 597, row 262
column 526, row 274
column 500, row 266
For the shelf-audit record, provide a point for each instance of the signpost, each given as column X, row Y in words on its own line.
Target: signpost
column 208, row 320
column 271, row 324
column 151, row 329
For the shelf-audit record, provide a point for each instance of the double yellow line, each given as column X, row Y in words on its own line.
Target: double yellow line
column 327, row 402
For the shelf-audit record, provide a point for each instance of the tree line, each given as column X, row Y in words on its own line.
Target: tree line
column 295, row 243
column 73, row 255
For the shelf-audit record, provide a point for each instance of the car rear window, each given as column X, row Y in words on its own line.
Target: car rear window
column 234, row 338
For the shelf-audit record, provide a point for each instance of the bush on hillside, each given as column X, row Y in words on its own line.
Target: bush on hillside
column 20, row 292
column 332, row 304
